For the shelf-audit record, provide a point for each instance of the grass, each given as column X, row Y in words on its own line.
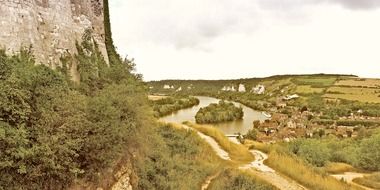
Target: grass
column 338, row 168
column 305, row 174
column 354, row 93
column 372, row 181
column 233, row 179
column 307, row 89
column 181, row 154
column 266, row 148
column 315, row 81
column 237, row 152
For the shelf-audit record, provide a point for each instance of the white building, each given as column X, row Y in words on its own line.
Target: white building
column 166, row 86
column 179, row 89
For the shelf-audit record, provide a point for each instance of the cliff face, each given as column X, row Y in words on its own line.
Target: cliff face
column 51, row 26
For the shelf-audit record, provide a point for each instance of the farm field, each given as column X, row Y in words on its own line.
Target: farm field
column 356, row 94
column 356, row 82
column 307, row 89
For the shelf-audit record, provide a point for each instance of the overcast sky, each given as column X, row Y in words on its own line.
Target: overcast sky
column 228, row 39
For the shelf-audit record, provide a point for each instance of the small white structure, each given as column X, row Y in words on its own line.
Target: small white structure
column 179, row 89
column 172, row 87
column 259, row 89
column 166, row 86
column 291, row 97
column 229, row 89
column 151, row 87
column 241, row 88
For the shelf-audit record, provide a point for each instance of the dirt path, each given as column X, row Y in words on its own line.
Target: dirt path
column 349, row 177
column 268, row 174
column 263, row 171
column 214, row 145
column 258, row 167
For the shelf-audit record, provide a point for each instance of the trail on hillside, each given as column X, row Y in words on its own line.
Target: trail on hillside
column 258, row 167
column 268, row 174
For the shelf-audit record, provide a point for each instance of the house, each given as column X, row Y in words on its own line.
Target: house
column 179, row 89
column 241, row 88
column 279, row 117
column 166, row 86
column 291, row 124
column 281, row 105
column 259, row 89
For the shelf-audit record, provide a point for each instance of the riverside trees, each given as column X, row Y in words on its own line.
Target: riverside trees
column 221, row 112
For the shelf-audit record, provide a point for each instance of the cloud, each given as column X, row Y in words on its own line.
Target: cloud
column 294, row 4
column 358, row 4
column 186, row 23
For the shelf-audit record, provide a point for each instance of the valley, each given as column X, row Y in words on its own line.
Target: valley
column 287, row 118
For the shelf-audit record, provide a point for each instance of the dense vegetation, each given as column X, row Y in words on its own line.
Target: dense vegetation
column 178, row 154
column 235, row 180
column 54, row 131
column 169, row 105
column 362, row 153
column 221, row 112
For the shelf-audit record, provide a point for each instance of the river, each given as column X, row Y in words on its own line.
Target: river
column 239, row 126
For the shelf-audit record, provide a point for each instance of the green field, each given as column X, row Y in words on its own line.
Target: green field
column 307, row 89
column 356, row 94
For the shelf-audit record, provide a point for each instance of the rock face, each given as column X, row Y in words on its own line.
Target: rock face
column 51, row 26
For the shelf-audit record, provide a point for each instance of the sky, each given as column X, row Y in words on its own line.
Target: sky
column 231, row 39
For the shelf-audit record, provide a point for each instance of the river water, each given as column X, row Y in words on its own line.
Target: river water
column 240, row 126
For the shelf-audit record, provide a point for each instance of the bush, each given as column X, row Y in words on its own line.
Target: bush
column 235, row 180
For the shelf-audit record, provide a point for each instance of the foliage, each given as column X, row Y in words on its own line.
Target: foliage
column 251, row 134
column 178, row 154
column 53, row 131
column 169, row 105
column 362, row 153
column 235, row 180
column 221, row 112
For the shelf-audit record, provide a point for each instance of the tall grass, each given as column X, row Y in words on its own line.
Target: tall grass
column 372, row 181
column 338, row 168
column 233, row 179
column 266, row 148
column 305, row 174
column 237, row 152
